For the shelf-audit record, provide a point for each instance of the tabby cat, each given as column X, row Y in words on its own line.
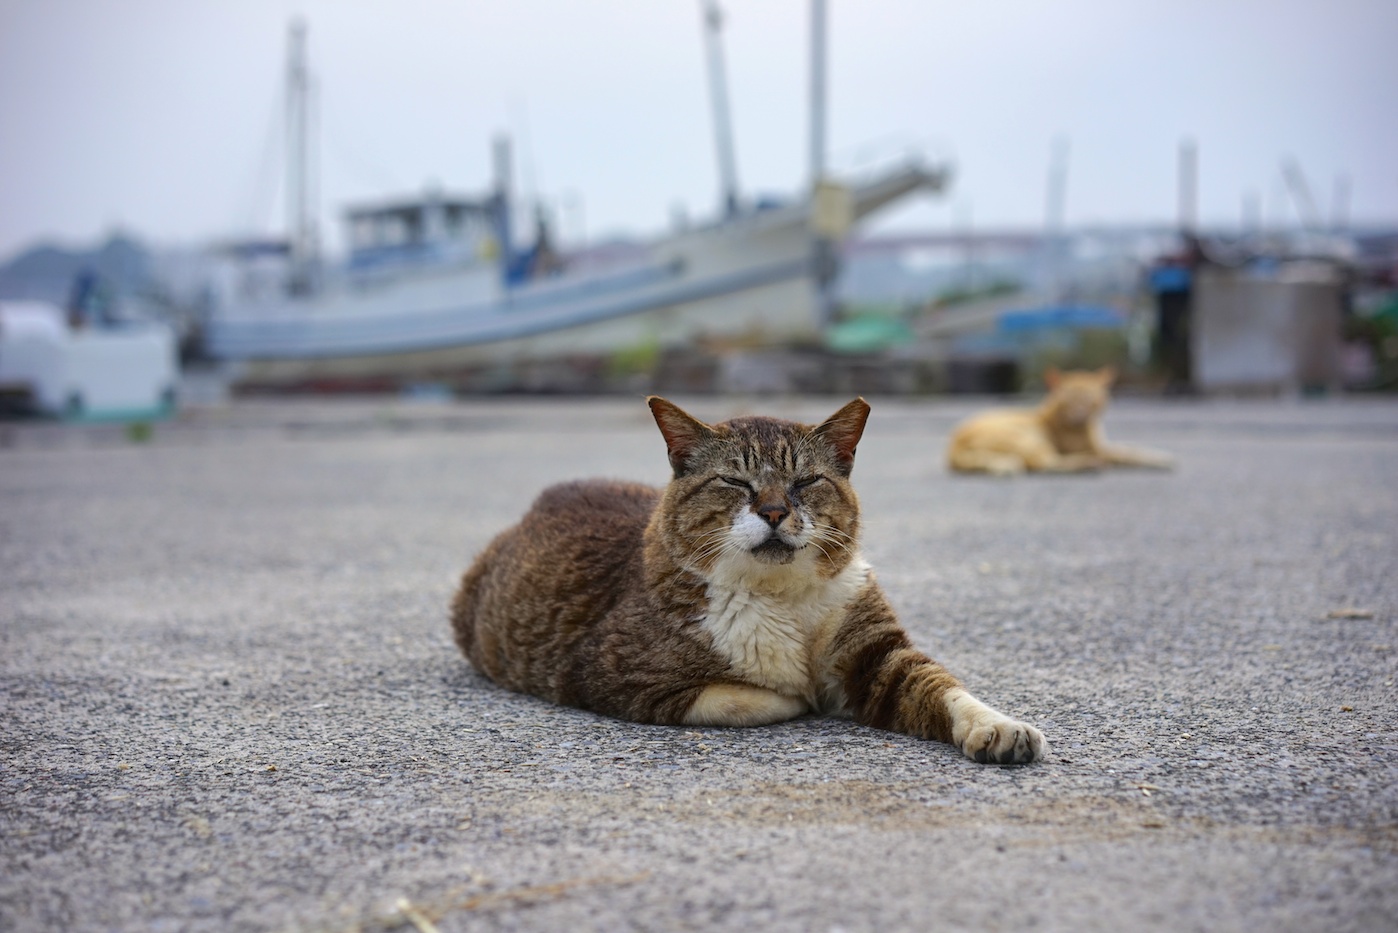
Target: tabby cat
column 1062, row 435
column 735, row 596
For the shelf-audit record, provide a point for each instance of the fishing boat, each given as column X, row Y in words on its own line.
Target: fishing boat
column 438, row 283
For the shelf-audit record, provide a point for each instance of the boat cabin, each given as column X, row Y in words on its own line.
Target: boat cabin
column 433, row 229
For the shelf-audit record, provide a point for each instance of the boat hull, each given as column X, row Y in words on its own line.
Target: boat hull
column 749, row 279
column 776, row 312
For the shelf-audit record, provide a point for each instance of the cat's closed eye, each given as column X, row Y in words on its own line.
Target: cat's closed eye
column 806, row 481
column 735, row 482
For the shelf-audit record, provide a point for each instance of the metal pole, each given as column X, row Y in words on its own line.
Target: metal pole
column 817, row 90
column 1339, row 204
column 504, row 204
column 311, row 210
column 296, row 178
column 1055, row 241
column 1301, row 194
column 718, row 92
column 1189, row 187
column 824, row 254
column 1252, row 214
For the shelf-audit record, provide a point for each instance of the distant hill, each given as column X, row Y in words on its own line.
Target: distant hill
column 46, row 272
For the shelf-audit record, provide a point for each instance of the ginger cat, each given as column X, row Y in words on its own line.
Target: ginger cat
column 1063, row 435
column 735, row 596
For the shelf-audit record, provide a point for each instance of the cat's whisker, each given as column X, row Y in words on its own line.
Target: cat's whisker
column 707, row 547
column 710, row 554
column 842, row 547
column 707, row 554
column 713, row 534
column 833, row 529
column 710, row 536
column 844, row 550
column 720, row 544
column 832, row 535
column 846, row 546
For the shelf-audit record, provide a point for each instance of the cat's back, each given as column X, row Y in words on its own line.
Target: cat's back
column 592, row 508
column 995, row 440
column 541, row 582
column 995, row 423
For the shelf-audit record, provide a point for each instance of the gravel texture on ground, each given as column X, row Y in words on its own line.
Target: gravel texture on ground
column 231, row 700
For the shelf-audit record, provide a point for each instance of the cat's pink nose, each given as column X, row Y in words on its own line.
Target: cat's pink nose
column 772, row 513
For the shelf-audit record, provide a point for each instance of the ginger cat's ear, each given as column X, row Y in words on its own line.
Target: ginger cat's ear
column 682, row 432
column 1052, row 377
column 1107, row 375
column 843, row 430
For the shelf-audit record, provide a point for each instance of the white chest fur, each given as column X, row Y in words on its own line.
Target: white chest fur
column 769, row 625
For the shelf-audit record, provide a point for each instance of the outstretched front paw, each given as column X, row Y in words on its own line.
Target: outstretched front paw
column 988, row 735
column 1007, row 742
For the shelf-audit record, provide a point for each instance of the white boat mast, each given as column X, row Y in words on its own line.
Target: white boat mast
column 1056, row 245
column 830, row 207
column 718, row 93
column 817, row 91
column 1188, row 188
column 301, row 232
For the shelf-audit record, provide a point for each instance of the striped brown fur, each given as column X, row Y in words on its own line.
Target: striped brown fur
column 736, row 595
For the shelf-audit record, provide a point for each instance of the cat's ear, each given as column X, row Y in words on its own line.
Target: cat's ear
column 1107, row 375
column 1052, row 377
column 843, row 430
column 682, row 433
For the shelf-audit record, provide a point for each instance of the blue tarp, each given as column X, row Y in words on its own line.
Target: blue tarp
column 1071, row 317
column 1170, row 279
column 1028, row 330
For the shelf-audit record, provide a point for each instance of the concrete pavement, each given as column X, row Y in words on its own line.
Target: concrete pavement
column 231, row 702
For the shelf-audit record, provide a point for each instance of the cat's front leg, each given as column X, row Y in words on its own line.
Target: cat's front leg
column 1138, row 457
column 988, row 735
column 1071, row 463
column 887, row 683
column 926, row 701
column 1128, row 456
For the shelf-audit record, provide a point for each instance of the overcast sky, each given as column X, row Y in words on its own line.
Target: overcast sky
column 162, row 117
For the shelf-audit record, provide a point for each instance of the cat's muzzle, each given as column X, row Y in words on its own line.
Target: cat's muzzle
column 775, row 551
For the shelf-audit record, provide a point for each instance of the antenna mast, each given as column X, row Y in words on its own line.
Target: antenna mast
column 300, row 226
column 718, row 92
column 1055, row 240
column 817, row 91
column 1301, row 195
column 830, row 204
column 1189, row 188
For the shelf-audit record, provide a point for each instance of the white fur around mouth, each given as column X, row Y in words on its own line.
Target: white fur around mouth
column 764, row 543
column 750, row 531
